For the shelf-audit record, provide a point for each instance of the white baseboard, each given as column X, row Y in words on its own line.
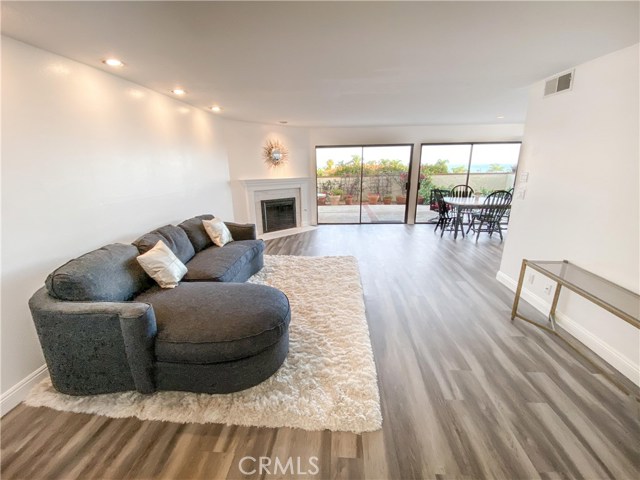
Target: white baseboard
column 608, row 353
column 537, row 302
column 16, row 394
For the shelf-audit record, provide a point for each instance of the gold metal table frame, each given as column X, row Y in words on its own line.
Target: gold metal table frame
column 627, row 309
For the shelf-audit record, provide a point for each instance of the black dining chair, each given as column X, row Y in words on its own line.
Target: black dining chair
column 461, row 191
column 433, row 205
column 489, row 216
column 504, row 221
column 443, row 209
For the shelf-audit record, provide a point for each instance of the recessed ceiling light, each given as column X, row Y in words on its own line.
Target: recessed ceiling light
column 283, row 122
column 113, row 62
column 500, row 117
column 178, row 91
column 215, row 108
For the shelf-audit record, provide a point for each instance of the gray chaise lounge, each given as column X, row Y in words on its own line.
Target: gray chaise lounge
column 105, row 326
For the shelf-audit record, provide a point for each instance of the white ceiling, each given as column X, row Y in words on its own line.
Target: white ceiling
column 335, row 63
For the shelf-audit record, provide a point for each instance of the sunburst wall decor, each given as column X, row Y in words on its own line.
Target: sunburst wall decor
column 275, row 153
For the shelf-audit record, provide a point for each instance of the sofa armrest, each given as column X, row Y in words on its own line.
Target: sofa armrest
column 239, row 231
column 96, row 347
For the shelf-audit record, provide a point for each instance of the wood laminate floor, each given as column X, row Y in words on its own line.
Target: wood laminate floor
column 465, row 393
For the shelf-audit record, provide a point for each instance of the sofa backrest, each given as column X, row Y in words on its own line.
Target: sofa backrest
column 195, row 231
column 173, row 237
column 108, row 274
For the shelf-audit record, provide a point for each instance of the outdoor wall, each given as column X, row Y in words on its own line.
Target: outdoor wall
column 409, row 135
column 391, row 185
column 88, row 159
column 582, row 198
column 245, row 142
column 478, row 181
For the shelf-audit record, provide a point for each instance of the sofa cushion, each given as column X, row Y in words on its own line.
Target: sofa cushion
column 196, row 232
column 109, row 274
column 201, row 323
column 242, row 231
column 222, row 264
column 173, row 237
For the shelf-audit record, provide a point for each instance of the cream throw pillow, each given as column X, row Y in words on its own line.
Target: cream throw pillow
column 218, row 231
column 162, row 265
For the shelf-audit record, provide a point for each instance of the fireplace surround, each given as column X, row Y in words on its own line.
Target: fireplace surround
column 257, row 190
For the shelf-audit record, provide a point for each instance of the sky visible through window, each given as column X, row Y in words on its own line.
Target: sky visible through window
column 486, row 157
column 490, row 157
column 503, row 154
column 457, row 155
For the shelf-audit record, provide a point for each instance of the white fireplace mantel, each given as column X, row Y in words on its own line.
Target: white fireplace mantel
column 254, row 188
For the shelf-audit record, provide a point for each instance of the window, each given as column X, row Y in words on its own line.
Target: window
column 485, row 167
column 363, row 184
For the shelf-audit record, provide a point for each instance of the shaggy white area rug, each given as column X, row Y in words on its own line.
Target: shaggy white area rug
column 328, row 380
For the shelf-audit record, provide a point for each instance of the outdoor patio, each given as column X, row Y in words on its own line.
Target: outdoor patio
column 381, row 183
column 378, row 213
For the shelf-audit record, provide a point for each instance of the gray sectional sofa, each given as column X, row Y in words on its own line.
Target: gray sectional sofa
column 105, row 326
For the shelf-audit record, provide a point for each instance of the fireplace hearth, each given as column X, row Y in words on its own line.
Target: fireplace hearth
column 278, row 214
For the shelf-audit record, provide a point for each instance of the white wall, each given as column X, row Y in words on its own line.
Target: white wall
column 582, row 198
column 410, row 134
column 245, row 142
column 89, row 159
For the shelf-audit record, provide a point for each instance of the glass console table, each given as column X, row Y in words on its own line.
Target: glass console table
column 619, row 301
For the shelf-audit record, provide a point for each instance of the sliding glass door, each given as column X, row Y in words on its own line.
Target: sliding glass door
column 441, row 167
column 363, row 184
column 339, row 184
column 485, row 167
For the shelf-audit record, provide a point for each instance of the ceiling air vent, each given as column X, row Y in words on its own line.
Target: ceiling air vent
column 558, row 84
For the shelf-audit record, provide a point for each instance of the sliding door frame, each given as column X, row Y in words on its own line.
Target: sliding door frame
column 362, row 147
column 471, row 144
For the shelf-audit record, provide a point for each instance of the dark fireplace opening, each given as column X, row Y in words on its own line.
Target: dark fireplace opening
column 278, row 214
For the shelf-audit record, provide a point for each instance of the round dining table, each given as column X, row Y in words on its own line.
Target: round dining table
column 460, row 204
column 467, row 203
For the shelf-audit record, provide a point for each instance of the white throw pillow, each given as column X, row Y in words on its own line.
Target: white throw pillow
column 218, row 231
column 162, row 265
